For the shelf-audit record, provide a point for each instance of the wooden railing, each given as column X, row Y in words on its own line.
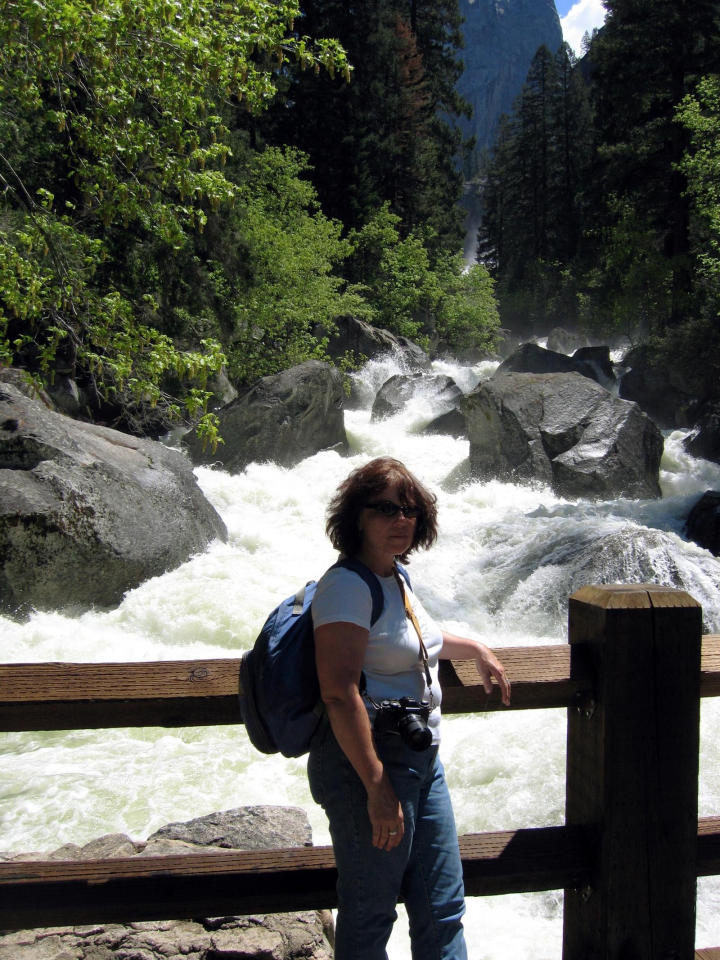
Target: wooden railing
column 628, row 856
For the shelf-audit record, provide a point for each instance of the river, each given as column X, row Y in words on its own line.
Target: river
column 504, row 565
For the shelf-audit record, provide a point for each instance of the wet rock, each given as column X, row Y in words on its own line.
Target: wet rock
column 88, row 513
column 532, row 358
column 283, row 419
column 363, row 340
column 396, row 392
column 705, row 440
column 287, row 936
column 563, row 430
column 598, row 359
column 703, row 522
column 453, row 423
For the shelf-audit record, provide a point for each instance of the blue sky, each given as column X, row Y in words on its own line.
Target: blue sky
column 577, row 16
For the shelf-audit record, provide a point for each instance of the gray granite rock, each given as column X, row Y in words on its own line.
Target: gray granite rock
column 86, row 512
column 287, row 936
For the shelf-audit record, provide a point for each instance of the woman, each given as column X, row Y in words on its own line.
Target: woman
column 391, row 821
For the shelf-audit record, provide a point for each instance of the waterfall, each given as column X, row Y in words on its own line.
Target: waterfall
column 506, row 560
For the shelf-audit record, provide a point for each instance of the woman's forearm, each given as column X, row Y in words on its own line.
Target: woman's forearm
column 459, row 648
column 488, row 665
column 351, row 725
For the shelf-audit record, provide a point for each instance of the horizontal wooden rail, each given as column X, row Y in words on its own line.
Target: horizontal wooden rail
column 68, row 696
column 182, row 886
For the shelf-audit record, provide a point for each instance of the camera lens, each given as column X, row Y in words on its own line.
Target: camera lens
column 414, row 732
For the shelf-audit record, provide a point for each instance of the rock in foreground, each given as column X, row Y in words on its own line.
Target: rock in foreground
column 284, row 936
column 86, row 512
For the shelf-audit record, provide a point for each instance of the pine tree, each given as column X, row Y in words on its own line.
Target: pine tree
column 531, row 226
column 650, row 54
column 387, row 136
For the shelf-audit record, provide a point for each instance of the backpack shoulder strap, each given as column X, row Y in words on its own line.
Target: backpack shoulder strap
column 370, row 579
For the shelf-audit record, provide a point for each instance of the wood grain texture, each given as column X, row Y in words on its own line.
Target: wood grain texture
column 69, row 696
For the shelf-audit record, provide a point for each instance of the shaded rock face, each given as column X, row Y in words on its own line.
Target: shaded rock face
column 286, row 936
column 452, row 423
column 501, row 39
column 563, row 430
column 398, row 390
column 659, row 390
column 705, row 441
column 88, row 513
column 703, row 522
column 593, row 362
column 364, row 340
column 598, row 360
column 283, row 418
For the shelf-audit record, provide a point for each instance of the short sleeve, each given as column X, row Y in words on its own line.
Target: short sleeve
column 342, row 597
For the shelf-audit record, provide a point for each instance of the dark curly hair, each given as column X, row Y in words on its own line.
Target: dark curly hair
column 361, row 487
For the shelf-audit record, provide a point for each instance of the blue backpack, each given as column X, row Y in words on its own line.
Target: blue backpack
column 280, row 699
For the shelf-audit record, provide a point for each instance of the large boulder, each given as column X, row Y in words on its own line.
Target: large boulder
column 88, row 513
column 703, row 522
column 396, row 392
column 563, row 430
column 532, row 358
column 659, row 388
column 363, row 340
column 285, row 936
column 282, row 418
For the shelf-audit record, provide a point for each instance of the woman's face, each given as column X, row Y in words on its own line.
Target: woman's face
column 385, row 530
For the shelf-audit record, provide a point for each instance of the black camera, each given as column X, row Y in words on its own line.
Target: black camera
column 407, row 717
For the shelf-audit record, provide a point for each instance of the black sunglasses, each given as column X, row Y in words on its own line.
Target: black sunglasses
column 387, row 508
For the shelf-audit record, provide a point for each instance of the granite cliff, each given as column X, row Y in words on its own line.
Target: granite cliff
column 501, row 38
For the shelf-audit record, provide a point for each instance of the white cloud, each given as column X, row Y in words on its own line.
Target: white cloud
column 583, row 16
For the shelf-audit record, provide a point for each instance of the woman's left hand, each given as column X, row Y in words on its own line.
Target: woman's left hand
column 488, row 666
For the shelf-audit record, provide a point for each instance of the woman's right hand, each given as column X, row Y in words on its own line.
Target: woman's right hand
column 386, row 816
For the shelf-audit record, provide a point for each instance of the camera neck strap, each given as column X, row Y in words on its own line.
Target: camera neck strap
column 410, row 614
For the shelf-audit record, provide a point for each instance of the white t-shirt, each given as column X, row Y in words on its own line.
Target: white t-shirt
column 392, row 665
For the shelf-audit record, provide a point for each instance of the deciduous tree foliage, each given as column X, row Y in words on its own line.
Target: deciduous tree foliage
column 113, row 132
column 149, row 237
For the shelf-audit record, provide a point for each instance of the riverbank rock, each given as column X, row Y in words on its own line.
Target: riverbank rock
column 396, row 392
column 285, row 936
column 88, row 513
column 703, row 522
column 563, row 430
column 283, row 419
column 363, row 340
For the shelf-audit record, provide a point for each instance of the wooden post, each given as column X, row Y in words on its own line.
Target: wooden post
column 632, row 772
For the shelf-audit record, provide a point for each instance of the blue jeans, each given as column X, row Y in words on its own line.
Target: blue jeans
column 425, row 869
